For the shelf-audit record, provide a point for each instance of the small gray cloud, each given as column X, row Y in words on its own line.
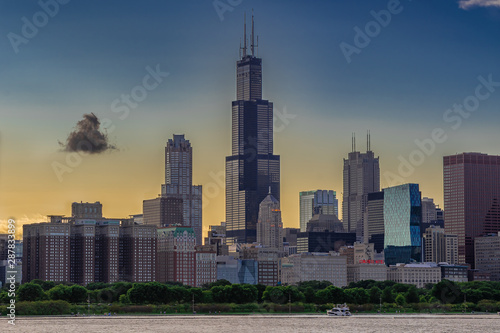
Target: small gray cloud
column 87, row 137
column 467, row 4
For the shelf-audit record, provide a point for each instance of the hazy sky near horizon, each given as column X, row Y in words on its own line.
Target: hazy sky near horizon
column 400, row 79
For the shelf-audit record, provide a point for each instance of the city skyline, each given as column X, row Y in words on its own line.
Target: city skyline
column 400, row 86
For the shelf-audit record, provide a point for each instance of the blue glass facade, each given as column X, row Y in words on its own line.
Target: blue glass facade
column 237, row 271
column 402, row 220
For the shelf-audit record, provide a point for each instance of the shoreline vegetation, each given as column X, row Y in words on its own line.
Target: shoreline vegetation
column 45, row 298
column 273, row 315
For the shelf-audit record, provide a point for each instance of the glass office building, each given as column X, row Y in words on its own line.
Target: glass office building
column 471, row 199
column 323, row 200
column 402, row 220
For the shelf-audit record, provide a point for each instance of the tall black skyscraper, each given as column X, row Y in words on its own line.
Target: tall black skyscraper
column 252, row 168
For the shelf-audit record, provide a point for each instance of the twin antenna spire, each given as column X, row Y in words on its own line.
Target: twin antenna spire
column 253, row 45
column 368, row 141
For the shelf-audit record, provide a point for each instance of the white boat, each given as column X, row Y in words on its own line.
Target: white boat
column 341, row 310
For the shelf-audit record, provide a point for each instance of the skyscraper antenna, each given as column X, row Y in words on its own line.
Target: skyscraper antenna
column 354, row 141
column 257, row 46
column 252, row 44
column 367, row 143
column 245, row 36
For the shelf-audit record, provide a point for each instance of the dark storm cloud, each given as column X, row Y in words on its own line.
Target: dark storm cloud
column 87, row 137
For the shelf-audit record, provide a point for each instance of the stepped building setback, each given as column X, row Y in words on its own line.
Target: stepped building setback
column 252, row 167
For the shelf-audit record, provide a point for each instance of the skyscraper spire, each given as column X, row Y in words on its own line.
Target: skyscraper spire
column 252, row 38
column 257, row 45
column 245, row 36
column 367, row 141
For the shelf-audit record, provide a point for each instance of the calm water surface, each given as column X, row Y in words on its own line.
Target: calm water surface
column 260, row 323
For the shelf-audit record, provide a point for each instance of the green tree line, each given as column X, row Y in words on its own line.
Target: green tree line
column 221, row 292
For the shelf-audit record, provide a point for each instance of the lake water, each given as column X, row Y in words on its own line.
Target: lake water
column 260, row 323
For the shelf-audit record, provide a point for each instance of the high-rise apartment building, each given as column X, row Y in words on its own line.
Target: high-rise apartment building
column 471, row 199
column 82, row 251
column 85, row 250
column 402, row 220
column 270, row 227
column 137, row 261
column 440, row 246
column 179, row 183
column 361, row 176
column 252, row 167
column 107, row 251
column 312, row 201
column 72, row 250
column 46, row 252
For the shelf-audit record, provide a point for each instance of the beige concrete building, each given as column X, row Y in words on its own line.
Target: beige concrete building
column 363, row 252
column 361, row 272
column 314, row 266
column 206, row 264
column 440, row 246
column 269, row 226
column 416, row 274
column 487, row 255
